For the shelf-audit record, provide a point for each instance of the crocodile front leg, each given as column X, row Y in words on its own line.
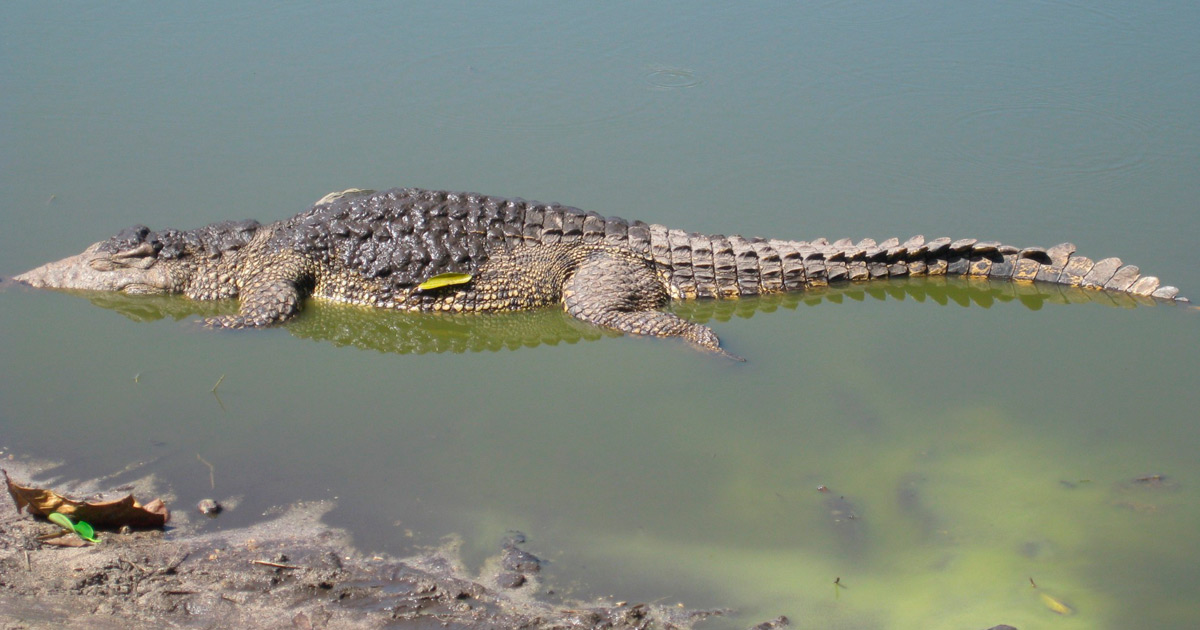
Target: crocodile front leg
column 624, row 294
column 269, row 296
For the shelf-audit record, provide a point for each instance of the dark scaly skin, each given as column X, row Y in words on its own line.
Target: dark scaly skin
column 375, row 249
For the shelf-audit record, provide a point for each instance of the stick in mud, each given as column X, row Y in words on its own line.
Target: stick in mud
column 275, row 564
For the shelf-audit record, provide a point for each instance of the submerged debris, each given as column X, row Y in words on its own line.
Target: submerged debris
column 1154, row 481
column 209, row 507
column 1052, row 603
column 1056, row 605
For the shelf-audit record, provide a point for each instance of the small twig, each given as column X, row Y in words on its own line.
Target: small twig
column 212, row 478
column 214, row 389
column 170, row 568
column 28, row 565
column 140, row 569
column 275, row 564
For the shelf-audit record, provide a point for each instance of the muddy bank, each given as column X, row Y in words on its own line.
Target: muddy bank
column 290, row 572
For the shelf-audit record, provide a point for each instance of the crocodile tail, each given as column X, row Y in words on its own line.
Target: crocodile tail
column 727, row 267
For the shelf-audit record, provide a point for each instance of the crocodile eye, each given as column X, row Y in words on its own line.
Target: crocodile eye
column 142, row 256
column 141, row 250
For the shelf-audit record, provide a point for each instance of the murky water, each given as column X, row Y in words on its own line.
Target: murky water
column 966, row 451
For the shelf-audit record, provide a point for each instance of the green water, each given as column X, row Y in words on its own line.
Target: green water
column 977, row 448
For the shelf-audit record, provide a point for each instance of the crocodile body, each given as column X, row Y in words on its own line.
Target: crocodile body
column 379, row 249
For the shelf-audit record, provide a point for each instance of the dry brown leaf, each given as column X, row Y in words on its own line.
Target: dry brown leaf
column 66, row 539
column 111, row 514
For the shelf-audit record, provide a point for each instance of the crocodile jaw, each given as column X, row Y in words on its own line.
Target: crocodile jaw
column 95, row 270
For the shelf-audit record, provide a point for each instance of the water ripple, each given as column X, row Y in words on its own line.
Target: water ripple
column 1055, row 138
column 863, row 11
column 672, row 78
column 526, row 86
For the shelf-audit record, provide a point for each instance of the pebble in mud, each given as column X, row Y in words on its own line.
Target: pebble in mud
column 515, row 563
column 515, row 560
column 209, row 507
column 510, row 580
column 520, row 561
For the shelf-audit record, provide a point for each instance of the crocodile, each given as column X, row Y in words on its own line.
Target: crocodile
column 423, row 250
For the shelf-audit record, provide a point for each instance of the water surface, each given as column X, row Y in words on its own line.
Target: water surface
column 978, row 437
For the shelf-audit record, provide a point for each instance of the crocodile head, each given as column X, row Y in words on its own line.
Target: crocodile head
column 131, row 262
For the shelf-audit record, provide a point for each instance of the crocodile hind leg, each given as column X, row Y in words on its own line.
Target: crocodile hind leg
column 624, row 294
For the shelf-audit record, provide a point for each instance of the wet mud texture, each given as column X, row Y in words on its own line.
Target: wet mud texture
column 290, row 572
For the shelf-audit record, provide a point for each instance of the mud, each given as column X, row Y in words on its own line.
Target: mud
column 292, row 571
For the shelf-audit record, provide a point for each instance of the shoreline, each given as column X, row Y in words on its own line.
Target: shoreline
column 289, row 571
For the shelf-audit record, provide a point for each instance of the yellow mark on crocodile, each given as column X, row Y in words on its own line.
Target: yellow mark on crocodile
column 444, row 280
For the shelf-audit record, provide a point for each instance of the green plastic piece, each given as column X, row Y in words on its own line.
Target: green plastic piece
column 85, row 531
column 62, row 520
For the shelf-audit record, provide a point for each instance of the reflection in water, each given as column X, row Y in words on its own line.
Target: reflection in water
column 151, row 308
column 405, row 333
column 422, row 333
column 383, row 330
column 942, row 290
